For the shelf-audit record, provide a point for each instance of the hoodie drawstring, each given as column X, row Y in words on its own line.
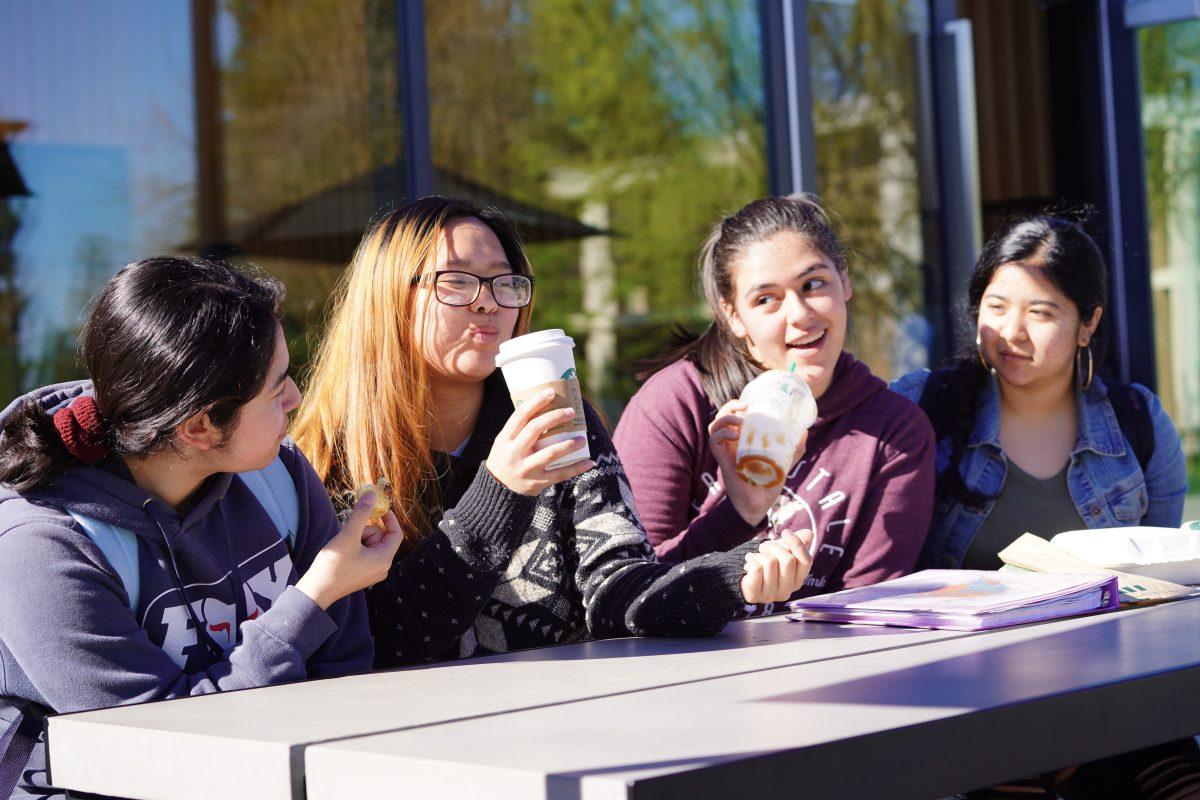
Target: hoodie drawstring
column 177, row 578
column 239, row 593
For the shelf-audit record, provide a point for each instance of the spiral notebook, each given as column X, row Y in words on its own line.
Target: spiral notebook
column 963, row 599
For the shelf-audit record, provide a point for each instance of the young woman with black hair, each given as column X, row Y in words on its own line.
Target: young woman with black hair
column 135, row 563
column 1034, row 442
column 1028, row 404
column 778, row 283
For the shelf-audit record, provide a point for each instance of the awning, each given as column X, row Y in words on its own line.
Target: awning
column 328, row 225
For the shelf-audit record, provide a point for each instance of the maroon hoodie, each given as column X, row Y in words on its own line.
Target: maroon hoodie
column 864, row 486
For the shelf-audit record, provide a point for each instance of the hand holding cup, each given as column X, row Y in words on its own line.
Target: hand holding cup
column 751, row 501
column 515, row 460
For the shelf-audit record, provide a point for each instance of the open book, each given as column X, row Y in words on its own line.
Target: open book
column 963, row 599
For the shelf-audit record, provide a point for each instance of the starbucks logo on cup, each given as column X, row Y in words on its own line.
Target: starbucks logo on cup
column 538, row 361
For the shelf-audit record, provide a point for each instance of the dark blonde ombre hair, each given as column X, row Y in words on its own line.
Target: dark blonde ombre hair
column 367, row 405
column 724, row 362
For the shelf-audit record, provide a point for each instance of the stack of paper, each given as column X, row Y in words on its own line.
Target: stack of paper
column 963, row 599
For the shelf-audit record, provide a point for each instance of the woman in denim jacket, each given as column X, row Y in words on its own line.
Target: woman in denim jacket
column 1028, row 403
column 1035, row 445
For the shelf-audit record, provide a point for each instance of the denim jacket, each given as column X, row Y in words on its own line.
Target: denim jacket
column 1103, row 475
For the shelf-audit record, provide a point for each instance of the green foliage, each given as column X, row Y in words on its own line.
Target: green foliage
column 309, row 99
column 1170, row 96
column 864, row 117
column 651, row 110
column 643, row 117
column 1170, row 73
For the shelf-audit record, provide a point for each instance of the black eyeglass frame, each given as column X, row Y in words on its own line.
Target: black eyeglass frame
column 419, row 279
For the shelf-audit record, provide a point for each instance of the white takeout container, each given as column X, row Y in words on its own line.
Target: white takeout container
column 1169, row 554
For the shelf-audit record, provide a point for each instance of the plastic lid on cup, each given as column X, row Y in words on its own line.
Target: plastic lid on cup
column 532, row 342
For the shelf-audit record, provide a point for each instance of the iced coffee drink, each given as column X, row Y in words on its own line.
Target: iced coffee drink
column 780, row 408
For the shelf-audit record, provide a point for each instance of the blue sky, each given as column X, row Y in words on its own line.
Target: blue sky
column 106, row 90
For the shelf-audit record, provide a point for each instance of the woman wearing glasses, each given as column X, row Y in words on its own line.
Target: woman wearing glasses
column 512, row 554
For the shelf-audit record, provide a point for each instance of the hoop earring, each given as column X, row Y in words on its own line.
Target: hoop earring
column 979, row 350
column 1079, row 366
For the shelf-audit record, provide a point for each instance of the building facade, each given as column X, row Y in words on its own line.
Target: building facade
column 614, row 132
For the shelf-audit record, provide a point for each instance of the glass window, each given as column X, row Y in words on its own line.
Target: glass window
column 262, row 131
column 614, row 133
column 308, row 142
column 1170, row 78
column 865, row 121
column 96, row 126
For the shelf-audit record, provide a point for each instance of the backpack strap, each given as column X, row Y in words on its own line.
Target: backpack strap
column 276, row 493
column 273, row 487
column 1133, row 417
column 17, row 743
column 119, row 548
column 937, row 403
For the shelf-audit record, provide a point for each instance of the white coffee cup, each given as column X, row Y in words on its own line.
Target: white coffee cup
column 546, row 360
column 780, row 408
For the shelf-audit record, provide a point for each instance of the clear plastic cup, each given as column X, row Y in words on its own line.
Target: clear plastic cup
column 780, row 408
column 542, row 360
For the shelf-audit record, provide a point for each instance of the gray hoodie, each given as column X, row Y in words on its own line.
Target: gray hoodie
column 216, row 607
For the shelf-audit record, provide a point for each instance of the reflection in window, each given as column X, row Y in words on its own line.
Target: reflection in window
column 309, row 137
column 1170, row 67
column 95, row 119
column 864, row 116
column 618, row 132
column 234, row 128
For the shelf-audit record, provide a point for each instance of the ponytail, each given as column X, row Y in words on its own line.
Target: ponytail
column 157, row 346
column 724, row 364
column 31, row 451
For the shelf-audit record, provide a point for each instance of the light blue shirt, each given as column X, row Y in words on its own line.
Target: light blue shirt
column 1105, row 480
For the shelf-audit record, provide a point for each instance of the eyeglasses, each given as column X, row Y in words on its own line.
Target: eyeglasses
column 456, row 288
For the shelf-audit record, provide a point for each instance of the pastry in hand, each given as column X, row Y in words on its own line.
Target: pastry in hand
column 383, row 498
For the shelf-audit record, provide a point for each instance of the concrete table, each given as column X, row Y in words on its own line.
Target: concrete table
column 251, row 743
column 911, row 722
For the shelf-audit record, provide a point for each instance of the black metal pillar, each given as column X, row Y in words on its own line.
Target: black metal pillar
column 1099, row 161
column 417, row 152
column 791, row 142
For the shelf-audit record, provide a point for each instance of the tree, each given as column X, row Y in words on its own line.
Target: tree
column 649, row 109
column 310, row 99
column 863, row 114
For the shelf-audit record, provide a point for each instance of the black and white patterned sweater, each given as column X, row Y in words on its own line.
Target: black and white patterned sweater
column 504, row 571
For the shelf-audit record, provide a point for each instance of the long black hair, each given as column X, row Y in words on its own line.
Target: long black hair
column 724, row 362
column 167, row 338
column 1069, row 258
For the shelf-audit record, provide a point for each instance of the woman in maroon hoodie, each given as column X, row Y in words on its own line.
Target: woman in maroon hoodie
column 778, row 282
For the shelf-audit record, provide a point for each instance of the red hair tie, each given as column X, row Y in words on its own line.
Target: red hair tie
column 81, row 431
